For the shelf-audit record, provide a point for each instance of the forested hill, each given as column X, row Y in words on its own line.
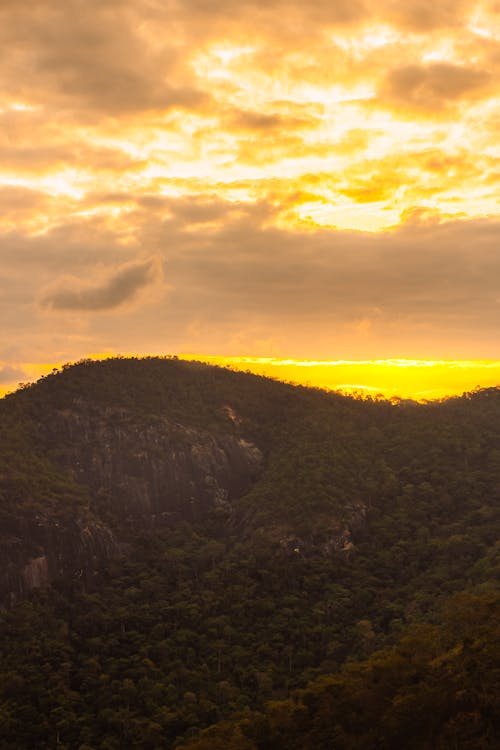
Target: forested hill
column 182, row 544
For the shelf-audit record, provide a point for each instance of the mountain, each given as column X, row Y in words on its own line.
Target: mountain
column 182, row 543
column 99, row 450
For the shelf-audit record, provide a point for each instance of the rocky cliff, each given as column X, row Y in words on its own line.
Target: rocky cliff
column 134, row 472
column 35, row 551
column 153, row 471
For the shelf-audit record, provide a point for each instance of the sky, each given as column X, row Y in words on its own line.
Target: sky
column 269, row 182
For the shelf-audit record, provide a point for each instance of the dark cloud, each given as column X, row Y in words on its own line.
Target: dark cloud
column 257, row 121
column 93, row 56
column 39, row 159
column 10, row 374
column 75, row 246
column 339, row 273
column 263, row 122
column 92, row 60
column 116, row 290
column 441, row 278
column 14, row 198
column 199, row 209
column 425, row 15
column 432, row 84
column 291, row 14
column 428, row 287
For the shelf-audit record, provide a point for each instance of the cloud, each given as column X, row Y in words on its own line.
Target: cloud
column 197, row 209
column 23, row 209
column 46, row 159
column 118, row 289
column 229, row 139
column 93, row 61
column 428, row 288
column 220, row 16
column 9, row 374
column 262, row 122
column 437, row 279
column 76, row 246
column 91, row 57
column 432, row 85
column 425, row 15
column 20, row 199
column 92, row 91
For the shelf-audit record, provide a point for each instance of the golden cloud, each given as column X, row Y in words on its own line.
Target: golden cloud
column 252, row 147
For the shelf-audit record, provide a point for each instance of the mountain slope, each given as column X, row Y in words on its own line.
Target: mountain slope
column 437, row 687
column 128, row 444
column 214, row 540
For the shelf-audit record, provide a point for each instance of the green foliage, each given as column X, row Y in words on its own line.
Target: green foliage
column 345, row 601
column 437, row 687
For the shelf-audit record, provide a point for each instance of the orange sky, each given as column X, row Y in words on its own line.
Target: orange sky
column 307, row 181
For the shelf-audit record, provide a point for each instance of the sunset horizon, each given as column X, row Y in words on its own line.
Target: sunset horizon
column 395, row 378
column 305, row 183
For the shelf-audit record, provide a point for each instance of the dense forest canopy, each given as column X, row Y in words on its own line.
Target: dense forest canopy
column 185, row 547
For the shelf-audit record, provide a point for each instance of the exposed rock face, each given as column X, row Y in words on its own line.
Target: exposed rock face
column 138, row 473
column 38, row 551
column 155, row 472
column 36, row 573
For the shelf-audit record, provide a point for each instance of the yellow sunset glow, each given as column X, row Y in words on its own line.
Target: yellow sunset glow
column 415, row 379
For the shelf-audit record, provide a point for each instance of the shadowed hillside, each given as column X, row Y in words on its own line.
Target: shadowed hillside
column 182, row 543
